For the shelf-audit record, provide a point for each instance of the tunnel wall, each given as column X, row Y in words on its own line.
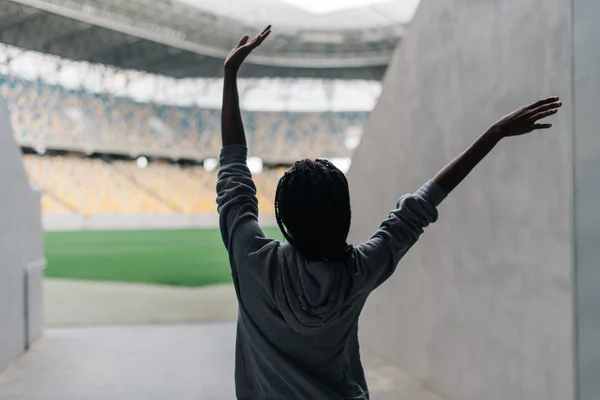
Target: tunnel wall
column 482, row 306
column 21, row 250
column 587, row 195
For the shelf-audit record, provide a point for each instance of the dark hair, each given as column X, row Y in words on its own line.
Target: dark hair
column 313, row 202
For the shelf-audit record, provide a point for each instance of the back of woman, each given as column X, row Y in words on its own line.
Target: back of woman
column 297, row 335
column 299, row 302
column 297, row 326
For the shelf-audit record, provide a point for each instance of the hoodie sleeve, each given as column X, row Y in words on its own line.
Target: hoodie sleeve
column 379, row 256
column 238, row 206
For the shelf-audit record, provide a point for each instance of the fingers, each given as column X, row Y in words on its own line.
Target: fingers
column 540, row 126
column 543, row 114
column 546, row 107
column 259, row 39
column 243, row 40
column 542, row 102
column 264, row 36
column 535, row 127
column 543, row 111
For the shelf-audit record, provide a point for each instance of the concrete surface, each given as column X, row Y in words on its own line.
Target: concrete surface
column 481, row 307
column 587, row 195
column 83, row 303
column 182, row 362
column 20, row 249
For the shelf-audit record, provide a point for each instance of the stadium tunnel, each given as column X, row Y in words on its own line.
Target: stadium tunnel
column 515, row 316
column 115, row 108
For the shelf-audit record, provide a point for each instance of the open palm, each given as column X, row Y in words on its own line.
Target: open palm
column 525, row 119
column 244, row 48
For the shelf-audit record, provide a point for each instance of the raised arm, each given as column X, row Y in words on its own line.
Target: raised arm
column 517, row 123
column 236, row 193
column 379, row 256
column 232, row 127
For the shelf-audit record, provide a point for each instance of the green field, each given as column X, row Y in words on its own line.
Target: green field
column 168, row 257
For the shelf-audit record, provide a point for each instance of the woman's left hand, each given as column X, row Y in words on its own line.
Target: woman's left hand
column 243, row 49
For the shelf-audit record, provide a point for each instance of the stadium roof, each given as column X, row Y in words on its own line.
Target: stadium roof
column 190, row 38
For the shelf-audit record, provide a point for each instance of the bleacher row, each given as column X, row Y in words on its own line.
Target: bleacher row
column 83, row 185
column 55, row 117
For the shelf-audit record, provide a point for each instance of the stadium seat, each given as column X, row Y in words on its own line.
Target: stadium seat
column 92, row 186
column 54, row 117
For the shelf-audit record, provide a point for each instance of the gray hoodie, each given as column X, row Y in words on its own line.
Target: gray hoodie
column 297, row 329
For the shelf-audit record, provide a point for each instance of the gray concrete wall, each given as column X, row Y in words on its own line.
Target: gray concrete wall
column 481, row 307
column 587, row 194
column 20, row 247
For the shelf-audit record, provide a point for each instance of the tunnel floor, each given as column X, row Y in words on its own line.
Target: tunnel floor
column 154, row 362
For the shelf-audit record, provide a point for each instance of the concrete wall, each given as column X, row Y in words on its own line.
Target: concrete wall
column 21, row 250
column 481, row 307
column 76, row 222
column 587, row 194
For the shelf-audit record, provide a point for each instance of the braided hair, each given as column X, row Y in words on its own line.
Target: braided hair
column 312, row 207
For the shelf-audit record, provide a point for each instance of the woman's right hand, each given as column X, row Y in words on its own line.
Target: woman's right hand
column 520, row 122
column 526, row 119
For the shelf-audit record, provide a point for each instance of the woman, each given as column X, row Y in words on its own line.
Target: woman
column 299, row 302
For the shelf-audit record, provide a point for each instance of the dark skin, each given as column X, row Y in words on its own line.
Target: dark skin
column 232, row 127
column 520, row 122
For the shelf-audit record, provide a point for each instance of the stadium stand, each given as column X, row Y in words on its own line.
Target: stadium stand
column 58, row 118
column 89, row 185
column 185, row 189
column 86, row 185
column 48, row 117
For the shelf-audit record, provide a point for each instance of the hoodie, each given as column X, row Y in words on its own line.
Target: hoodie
column 297, row 328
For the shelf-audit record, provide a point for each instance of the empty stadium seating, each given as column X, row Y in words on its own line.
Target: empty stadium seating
column 55, row 117
column 52, row 117
column 89, row 185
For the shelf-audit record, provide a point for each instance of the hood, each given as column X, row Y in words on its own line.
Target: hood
column 312, row 295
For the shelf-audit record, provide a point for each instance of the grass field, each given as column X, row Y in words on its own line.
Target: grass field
column 182, row 257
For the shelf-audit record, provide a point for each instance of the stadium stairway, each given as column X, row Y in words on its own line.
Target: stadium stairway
column 176, row 208
column 60, row 201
